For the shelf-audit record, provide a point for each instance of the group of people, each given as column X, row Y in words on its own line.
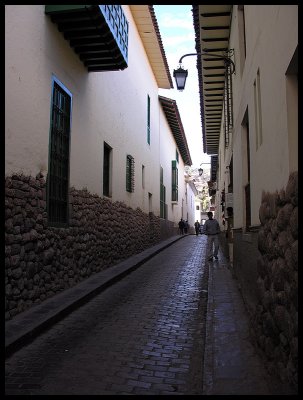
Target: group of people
column 183, row 227
column 211, row 228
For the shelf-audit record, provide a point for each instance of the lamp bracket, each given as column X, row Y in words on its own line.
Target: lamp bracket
column 227, row 58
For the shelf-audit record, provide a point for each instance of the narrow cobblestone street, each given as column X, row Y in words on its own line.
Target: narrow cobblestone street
column 142, row 335
column 151, row 200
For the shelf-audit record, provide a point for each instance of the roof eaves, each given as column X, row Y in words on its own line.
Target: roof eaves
column 156, row 27
column 172, row 114
column 195, row 11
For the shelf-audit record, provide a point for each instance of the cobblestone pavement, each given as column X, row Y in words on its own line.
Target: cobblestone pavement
column 142, row 335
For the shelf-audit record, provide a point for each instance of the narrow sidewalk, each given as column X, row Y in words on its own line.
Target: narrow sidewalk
column 231, row 364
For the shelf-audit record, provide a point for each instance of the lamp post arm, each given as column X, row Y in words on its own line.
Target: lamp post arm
column 225, row 58
column 189, row 54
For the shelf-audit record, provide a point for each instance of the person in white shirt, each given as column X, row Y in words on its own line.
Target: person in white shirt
column 212, row 230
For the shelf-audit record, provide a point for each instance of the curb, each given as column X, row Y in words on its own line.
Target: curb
column 26, row 326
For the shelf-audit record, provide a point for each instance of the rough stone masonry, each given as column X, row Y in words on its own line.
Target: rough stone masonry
column 41, row 260
column 275, row 322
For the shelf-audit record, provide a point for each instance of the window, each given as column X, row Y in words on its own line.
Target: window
column 258, row 108
column 186, row 195
column 174, row 195
column 163, row 208
column 246, row 171
column 107, row 151
column 59, row 145
column 148, row 119
column 130, row 174
column 150, row 202
column 143, row 177
column 109, row 25
column 230, row 176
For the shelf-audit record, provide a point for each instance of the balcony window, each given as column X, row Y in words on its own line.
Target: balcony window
column 97, row 33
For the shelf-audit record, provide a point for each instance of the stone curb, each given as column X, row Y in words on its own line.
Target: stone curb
column 27, row 325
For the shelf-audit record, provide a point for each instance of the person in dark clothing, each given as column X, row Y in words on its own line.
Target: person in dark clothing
column 181, row 226
column 197, row 227
column 186, row 227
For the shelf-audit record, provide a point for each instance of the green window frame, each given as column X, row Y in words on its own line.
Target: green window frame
column 143, row 176
column 59, row 155
column 163, row 208
column 258, row 110
column 107, row 156
column 148, row 119
column 174, row 186
column 130, row 174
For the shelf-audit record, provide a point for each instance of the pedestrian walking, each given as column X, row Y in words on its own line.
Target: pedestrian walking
column 181, row 226
column 197, row 227
column 212, row 230
column 186, row 227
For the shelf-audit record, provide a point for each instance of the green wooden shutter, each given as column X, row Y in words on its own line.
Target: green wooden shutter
column 162, row 195
column 174, row 195
column 58, row 175
column 130, row 174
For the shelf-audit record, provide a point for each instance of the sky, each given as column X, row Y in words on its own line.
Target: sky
column 178, row 38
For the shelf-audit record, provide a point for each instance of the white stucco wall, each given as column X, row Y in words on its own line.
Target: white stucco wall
column 192, row 192
column 167, row 152
column 271, row 38
column 107, row 107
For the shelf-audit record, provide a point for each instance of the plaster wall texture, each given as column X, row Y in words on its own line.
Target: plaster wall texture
column 108, row 107
column 271, row 34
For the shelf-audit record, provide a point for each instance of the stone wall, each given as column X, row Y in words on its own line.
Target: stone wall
column 41, row 261
column 275, row 321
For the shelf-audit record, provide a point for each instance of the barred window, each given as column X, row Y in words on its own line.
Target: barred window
column 143, row 177
column 58, row 174
column 174, row 195
column 107, row 160
column 130, row 174
column 258, row 110
column 163, row 206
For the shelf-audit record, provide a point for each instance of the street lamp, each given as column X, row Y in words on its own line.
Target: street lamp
column 180, row 74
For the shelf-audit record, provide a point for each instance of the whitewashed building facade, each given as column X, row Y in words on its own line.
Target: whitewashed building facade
column 250, row 123
column 90, row 152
